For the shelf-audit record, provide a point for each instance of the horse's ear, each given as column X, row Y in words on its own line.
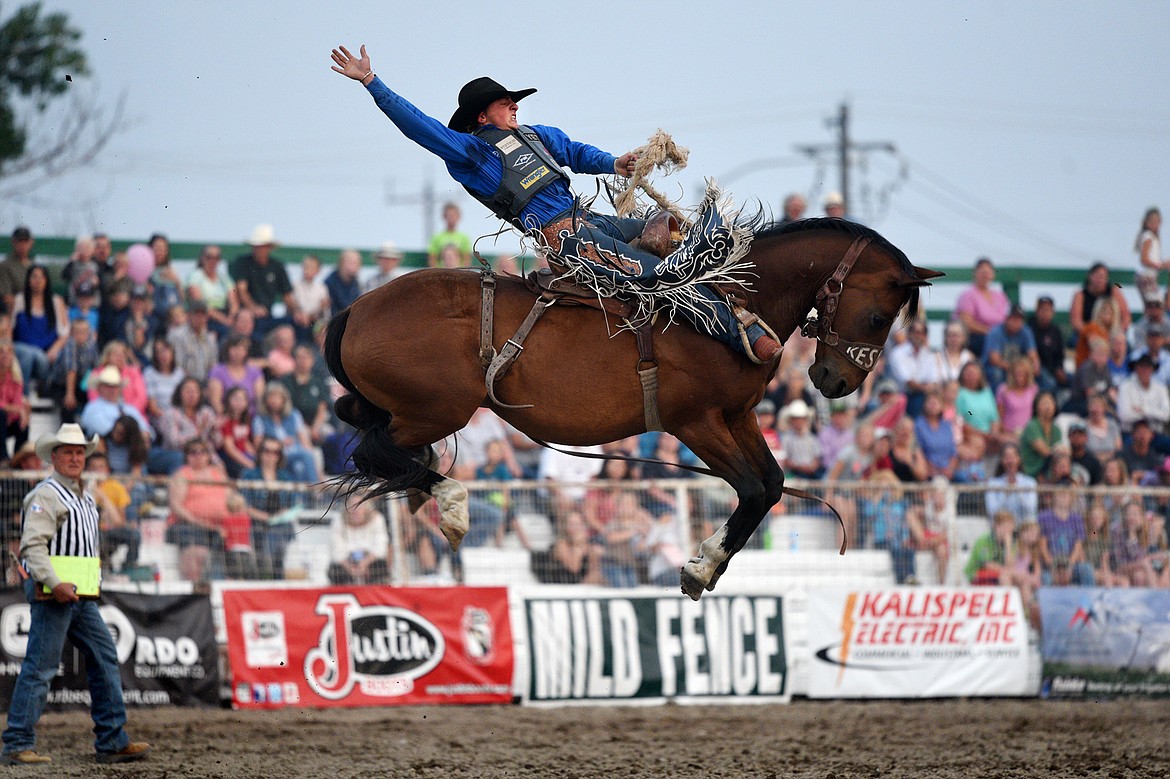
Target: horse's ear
column 926, row 274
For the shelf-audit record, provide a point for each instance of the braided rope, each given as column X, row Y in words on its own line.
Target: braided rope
column 662, row 153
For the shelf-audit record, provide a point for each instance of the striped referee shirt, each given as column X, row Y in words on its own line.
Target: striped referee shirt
column 58, row 518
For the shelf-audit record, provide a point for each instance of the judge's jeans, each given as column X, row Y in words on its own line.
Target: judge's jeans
column 50, row 623
column 611, row 234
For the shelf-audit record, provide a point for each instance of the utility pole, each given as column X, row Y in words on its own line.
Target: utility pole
column 843, row 147
column 425, row 198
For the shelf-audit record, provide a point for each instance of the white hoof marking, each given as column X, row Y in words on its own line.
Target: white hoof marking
column 454, row 519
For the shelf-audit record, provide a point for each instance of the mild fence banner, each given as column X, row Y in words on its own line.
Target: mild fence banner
column 1105, row 642
column 643, row 649
column 166, row 650
column 917, row 642
column 369, row 646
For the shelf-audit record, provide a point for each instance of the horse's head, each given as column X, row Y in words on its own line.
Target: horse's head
column 855, row 309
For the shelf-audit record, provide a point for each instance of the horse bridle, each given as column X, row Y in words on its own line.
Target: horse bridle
column 819, row 324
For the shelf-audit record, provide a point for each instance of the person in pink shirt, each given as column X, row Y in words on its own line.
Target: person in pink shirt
column 981, row 307
column 1014, row 397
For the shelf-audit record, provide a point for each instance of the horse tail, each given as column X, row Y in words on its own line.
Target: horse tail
column 381, row 466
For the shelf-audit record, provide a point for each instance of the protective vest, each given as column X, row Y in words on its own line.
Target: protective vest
column 528, row 168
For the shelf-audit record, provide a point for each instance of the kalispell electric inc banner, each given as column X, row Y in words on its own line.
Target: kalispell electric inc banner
column 166, row 650
column 919, row 642
column 613, row 649
column 369, row 646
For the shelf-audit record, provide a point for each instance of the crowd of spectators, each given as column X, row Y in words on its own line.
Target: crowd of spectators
column 204, row 379
column 219, row 377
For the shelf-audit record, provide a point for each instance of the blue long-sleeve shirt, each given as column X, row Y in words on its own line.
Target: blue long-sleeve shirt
column 477, row 164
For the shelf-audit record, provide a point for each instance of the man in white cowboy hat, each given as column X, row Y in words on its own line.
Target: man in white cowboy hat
column 834, row 205
column 262, row 282
column 802, row 449
column 103, row 411
column 60, row 519
column 389, row 259
column 517, row 172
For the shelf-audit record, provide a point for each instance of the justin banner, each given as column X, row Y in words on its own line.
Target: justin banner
column 920, row 642
column 369, row 646
column 166, row 650
column 1105, row 642
column 613, row 649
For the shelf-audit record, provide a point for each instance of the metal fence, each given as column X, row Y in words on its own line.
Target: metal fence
column 608, row 533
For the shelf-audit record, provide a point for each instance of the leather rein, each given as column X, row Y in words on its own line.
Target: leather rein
column 819, row 324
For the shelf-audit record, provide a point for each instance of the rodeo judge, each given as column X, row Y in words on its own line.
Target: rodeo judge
column 60, row 563
column 516, row 171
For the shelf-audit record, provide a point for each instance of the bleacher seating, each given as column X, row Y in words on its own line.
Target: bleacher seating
column 493, row 566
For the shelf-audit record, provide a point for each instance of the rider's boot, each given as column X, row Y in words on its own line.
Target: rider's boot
column 764, row 348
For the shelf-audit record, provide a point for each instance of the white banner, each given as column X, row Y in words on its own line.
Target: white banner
column 608, row 649
column 917, row 642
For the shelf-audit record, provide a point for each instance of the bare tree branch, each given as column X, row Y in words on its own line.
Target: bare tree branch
column 86, row 130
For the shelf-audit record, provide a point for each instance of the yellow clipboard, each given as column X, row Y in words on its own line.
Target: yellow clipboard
column 84, row 572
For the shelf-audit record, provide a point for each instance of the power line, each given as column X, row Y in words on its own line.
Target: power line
column 980, row 207
column 842, row 149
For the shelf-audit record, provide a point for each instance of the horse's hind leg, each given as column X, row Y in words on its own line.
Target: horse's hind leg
column 451, row 497
column 718, row 447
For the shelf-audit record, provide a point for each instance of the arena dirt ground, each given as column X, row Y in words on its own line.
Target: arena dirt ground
column 997, row 738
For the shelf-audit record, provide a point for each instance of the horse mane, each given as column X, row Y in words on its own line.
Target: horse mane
column 852, row 229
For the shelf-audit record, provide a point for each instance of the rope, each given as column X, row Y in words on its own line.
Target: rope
column 660, row 152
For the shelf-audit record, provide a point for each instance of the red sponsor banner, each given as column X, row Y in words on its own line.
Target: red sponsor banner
column 369, row 646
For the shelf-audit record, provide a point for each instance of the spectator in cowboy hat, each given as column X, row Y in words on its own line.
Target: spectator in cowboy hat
column 389, row 258
column 262, row 283
column 102, row 412
column 802, row 450
column 1141, row 396
column 834, row 204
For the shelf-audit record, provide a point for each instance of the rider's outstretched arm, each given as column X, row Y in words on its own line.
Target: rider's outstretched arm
column 462, row 152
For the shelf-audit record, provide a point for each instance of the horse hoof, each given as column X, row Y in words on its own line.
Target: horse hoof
column 691, row 587
column 714, row 580
column 694, row 577
column 454, row 519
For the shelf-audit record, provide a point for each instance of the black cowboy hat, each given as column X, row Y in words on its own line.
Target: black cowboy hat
column 477, row 95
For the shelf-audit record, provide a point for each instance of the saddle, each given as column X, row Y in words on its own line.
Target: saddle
column 550, row 289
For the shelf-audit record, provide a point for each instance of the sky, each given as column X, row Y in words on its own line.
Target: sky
column 1033, row 133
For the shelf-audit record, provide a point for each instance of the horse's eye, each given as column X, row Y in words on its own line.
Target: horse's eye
column 879, row 322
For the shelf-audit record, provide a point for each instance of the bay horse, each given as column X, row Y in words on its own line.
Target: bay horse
column 408, row 353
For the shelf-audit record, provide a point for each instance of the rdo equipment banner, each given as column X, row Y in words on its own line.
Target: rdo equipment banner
column 610, row 649
column 369, row 646
column 1105, row 642
column 919, row 642
column 166, row 650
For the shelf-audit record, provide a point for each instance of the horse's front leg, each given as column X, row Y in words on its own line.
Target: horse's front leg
column 754, row 475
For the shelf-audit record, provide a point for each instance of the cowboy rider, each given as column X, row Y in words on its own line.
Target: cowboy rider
column 516, row 171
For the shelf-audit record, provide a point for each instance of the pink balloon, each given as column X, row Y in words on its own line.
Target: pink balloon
column 141, row 262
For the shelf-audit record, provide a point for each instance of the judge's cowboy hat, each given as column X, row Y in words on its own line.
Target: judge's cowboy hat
column 477, row 95
column 263, row 235
column 69, row 433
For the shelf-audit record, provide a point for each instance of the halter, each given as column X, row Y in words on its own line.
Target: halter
column 819, row 324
